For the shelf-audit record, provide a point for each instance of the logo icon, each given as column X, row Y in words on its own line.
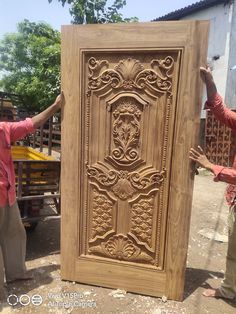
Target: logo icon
column 36, row 299
column 24, row 299
column 12, row 299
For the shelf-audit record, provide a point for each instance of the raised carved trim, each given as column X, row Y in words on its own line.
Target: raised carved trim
column 162, row 196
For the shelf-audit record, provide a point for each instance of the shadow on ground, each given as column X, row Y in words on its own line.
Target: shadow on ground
column 195, row 278
column 44, row 240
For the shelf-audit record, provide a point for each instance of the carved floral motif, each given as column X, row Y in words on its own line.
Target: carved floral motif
column 130, row 74
column 126, row 131
column 122, row 248
column 123, row 183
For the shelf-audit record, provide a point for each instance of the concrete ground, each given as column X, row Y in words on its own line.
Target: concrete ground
column 205, row 266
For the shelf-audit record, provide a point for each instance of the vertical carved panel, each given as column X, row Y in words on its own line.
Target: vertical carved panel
column 142, row 220
column 126, row 120
column 101, row 214
column 128, row 111
column 126, row 131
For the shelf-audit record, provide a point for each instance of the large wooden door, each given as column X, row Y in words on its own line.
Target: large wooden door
column 131, row 116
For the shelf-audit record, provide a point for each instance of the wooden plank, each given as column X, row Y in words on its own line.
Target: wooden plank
column 124, row 277
column 32, row 197
column 183, row 170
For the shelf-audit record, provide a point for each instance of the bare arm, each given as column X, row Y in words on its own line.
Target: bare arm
column 221, row 173
column 215, row 102
column 43, row 116
column 207, row 78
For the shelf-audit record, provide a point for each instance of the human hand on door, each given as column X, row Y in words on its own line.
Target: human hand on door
column 199, row 156
column 206, row 74
column 43, row 116
column 207, row 78
column 60, row 100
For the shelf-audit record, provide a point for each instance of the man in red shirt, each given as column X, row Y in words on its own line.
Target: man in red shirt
column 216, row 105
column 12, row 232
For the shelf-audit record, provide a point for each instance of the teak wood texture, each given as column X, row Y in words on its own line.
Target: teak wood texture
column 132, row 113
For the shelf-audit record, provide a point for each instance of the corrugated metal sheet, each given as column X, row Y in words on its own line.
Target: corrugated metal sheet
column 197, row 6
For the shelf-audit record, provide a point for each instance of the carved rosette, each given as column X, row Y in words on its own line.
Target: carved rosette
column 121, row 247
column 101, row 214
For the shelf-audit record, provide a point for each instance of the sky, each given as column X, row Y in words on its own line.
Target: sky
column 14, row 11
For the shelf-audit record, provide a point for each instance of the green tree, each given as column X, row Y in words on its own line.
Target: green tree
column 30, row 63
column 96, row 11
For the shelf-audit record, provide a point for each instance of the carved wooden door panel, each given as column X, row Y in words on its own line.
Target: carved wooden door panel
column 129, row 121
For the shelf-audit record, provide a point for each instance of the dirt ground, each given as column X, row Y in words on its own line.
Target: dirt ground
column 205, row 266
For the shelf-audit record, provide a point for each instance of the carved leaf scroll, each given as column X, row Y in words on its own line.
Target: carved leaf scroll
column 124, row 183
column 130, row 74
column 122, row 248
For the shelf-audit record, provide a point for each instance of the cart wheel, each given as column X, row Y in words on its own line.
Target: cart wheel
column 30, row 226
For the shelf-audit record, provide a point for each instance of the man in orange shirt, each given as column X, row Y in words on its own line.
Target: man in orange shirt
column 215, row 103
column 12, row 232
